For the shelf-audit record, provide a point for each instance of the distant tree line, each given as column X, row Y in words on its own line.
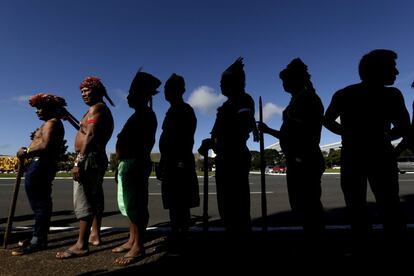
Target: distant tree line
column 271, row 156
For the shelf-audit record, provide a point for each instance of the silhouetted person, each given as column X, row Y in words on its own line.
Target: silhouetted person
column 89, row 168
column 177, row 165
column 133, row 150
column 299, row 138
column 371, row 115
column 408, row 141
column 42, row 155
column 234, row 122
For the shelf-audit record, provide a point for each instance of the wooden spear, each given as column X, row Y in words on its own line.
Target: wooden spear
column 20, row 171
column 262, row 169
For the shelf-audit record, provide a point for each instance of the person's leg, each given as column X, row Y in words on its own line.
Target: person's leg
column 174, row 220
column 354, row 188
column 128, row 245
column 184, row 219
column 95, row 236
column 83, row 211
column 137, row 249
column 43, row 211
column 384, row 185
column 97, row 195
column 38, row 191
column 81, row 247
column 40, row 202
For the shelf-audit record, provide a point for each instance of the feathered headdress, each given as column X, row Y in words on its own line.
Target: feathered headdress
column 95, row 84
column 297, row 69
column 145, row 83
column 237, row 70
column 46, row 100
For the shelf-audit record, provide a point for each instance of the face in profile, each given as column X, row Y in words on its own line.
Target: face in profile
column 88, row 96
column 44, row 114
column 390, row 73
column 168, row 93
column 226, row 85
column 132, row 99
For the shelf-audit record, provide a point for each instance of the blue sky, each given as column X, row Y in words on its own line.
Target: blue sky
column 50, row 46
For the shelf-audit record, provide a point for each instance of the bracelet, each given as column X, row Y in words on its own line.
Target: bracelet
column 80, row 158
column 26, row 151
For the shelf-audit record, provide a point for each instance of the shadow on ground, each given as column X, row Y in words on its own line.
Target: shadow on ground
column 214, row 252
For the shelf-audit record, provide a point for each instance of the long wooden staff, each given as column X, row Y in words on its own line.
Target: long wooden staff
column 205, row 194
column 20, row 171
column 72, row 120
column 262, row 169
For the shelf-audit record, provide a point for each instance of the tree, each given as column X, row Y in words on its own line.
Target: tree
column 200, row 164
column 64, row 158
column 333, row 158
column 113, row 163
column 255, row 160
column 271, row 157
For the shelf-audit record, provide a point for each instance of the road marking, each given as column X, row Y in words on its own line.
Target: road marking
column 201, row 229
column 212, row 193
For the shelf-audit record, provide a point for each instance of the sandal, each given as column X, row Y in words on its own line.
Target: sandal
column 29, row 248
column 68, row 254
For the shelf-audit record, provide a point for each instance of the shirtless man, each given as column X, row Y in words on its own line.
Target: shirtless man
column 43, row 154
column 372, row 114
column 96, row 128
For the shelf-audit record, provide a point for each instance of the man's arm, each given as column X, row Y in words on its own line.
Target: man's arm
column 265, row 129
column 401, row 119
column 330, row 117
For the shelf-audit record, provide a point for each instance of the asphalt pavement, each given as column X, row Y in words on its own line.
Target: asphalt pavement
column 281, row 250
column 276, row 252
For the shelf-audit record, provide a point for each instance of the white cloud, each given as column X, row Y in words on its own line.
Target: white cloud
column 269, row 110
column 204, row 99
column 5, row 146
column 21, row 98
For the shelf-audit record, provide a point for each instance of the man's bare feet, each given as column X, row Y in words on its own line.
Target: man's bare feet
column 95, row 240
column 131, row 257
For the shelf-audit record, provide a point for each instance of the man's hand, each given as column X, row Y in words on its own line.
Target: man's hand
column 22, row 153
column 76, row 172
column 206, row 144
column 262, row 127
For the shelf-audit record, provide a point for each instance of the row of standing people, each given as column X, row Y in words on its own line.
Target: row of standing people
column 370, row 114
column 367, row 115
column 133, row 148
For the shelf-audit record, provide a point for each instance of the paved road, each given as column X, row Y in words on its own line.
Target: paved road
column 278, row 205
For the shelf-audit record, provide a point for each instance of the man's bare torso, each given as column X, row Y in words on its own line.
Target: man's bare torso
column 51, row 133
column 98, row 122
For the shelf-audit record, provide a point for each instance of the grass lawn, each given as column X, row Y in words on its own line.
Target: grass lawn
column 107, row 174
